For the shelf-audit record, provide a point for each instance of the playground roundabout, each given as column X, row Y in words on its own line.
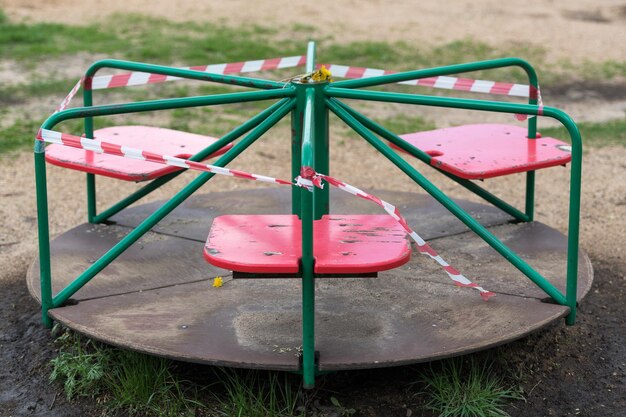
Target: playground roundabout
column 158, row 297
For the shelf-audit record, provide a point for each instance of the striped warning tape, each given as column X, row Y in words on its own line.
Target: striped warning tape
column 102, row 82
column 128, row 79
column 141, row 78
column 98, row 146
column 70, row 96
column 445, row 82
column 309, row 179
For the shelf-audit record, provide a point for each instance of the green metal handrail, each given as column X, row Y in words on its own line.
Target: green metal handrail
column 493, row 106
column 528, row 215
column 282, row 108
column 92, row 215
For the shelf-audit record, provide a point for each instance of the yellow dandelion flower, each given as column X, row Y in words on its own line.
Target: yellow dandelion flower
column 218, row 282
column 322, row 74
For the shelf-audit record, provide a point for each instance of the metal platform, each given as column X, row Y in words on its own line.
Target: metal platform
column 158, row 296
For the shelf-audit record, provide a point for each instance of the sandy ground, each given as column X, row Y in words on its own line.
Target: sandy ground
column 574, row 30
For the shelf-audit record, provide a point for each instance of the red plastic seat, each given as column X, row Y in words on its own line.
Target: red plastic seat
column 154, row 139
column 488, row 150
column 343, row 244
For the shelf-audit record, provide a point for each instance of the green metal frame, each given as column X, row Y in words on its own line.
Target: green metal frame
column 309, row 104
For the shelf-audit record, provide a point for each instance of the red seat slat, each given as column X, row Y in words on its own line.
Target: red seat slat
column 488, row 150
column 154, row 139
column 343, row 244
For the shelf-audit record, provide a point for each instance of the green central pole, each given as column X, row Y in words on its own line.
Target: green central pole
column 307, row 213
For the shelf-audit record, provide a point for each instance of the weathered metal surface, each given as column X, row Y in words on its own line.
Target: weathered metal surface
column 489, row 150
column 343, row 244
column 166, row 305
column 154, row 139
column 193, row 218
column 154, row 261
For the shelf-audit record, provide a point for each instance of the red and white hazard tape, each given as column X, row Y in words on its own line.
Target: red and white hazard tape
column 128, row 79
column 141, row 78
column 119, row 150
column 98, row 146
column 70, row 96
column 448, row 83
column 312, row 178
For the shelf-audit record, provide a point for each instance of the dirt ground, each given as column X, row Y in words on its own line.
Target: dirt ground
column 579, row 370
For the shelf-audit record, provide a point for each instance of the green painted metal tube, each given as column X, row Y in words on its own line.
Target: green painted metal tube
column 309, row 136
column 308, row 291
column 576, row 164
column 449, row 102
column 424, row 157
column 166, row 104
column 183, row 73
column 450, row 205
column 92, row 209
column 446, row 70
column 137, row 195
column 92, row 215
column 321, row 143
column 44, row 235
column 297, row 122
column 310, row 57
column 573, row 229
column 170, row 205
column 153, row 185
column 469, row 67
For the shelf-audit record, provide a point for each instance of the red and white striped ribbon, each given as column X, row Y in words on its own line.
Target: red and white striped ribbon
column 445, row 82
column 102, row 82
column 141, row 78
column 70, row 96
column 98, row 146
column 312, row 179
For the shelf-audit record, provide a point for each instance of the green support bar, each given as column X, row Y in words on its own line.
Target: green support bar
column 424, row 157
column 309, row 136
column 470, row 67
column 148, row 223
column 446, row 70
column 450, row 205
column 155, row 184
column 165, row 104
column 92, row 208
column 184, row 73
column 43, row 232
column 575, row 173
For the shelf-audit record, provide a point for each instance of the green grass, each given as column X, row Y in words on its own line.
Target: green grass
column 467, row 387
column 129, row 383
column 142, row 384
column 594, row 134
column 256, row 394
column 122, row 381
column 80, row 366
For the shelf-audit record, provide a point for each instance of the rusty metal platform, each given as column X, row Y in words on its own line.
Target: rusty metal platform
column 158, row 298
